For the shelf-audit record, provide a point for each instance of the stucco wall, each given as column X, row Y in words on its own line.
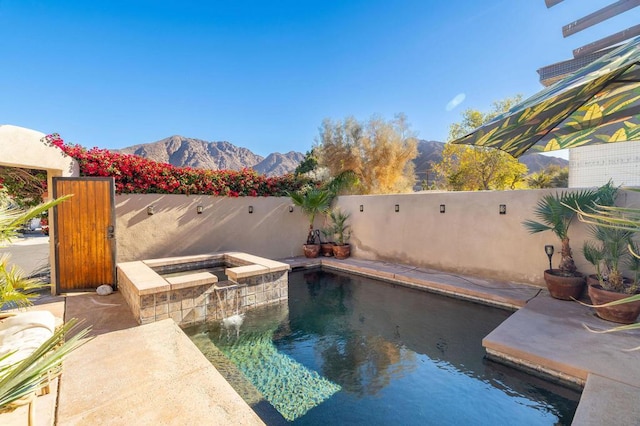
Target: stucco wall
column 21, row 147
column 471, row 237
column 225, row 224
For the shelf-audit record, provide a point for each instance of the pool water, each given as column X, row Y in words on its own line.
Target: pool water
column 218, row 271
column 352, row 350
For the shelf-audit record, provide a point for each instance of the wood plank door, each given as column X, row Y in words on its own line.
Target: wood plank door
column 84, row 233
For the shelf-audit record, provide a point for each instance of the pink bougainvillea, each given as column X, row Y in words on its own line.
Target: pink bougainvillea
column 138, row 175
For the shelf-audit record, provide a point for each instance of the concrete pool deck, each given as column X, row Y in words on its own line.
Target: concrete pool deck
column 152, row 374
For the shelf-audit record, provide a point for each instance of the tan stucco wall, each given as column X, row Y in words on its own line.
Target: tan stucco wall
column 470, row 238
column 176, row 229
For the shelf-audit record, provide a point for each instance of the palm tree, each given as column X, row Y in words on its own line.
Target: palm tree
column 555, row 213
column 312, row 202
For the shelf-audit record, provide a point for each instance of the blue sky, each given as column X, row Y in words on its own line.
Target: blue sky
column 264, row 74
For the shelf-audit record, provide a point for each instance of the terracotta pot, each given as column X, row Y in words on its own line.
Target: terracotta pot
column 564, row 287
column 311, row 250
column 342, row 252
column 626, row 313
column 326, row 249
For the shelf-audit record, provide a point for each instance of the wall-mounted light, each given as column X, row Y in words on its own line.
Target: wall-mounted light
column 503, row 209
column 442, row 208
column 361, row 207
column 151, row 210
column 397, row 208
column 250, row 209
column 290, row 209
column 199, row 209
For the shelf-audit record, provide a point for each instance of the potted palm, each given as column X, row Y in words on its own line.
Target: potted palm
column 612, row 247
column 326, row 246
column 312, row 201
column 341, row 249
column 555, row 213
column 628, row 219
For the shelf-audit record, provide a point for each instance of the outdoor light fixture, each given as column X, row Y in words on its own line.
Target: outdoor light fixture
column 199, row 209
column 397, row 208
column 548, row 249
column 151, row 210
column 250, row 209
column 361, row 207
column 290, row 209
column 503, row 209
column 442, row 208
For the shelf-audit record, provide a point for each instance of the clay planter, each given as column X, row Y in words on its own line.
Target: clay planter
column 342, row 252
column 626, row 313
column 326, row 249
column 311, row 250
column 564, row 287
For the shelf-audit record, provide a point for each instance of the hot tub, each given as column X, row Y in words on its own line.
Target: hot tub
column 184, row 289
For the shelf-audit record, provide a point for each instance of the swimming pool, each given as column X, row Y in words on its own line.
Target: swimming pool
column 353, row 350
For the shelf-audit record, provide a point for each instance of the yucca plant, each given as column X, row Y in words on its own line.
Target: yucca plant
column 339, row 226
column 555, row 213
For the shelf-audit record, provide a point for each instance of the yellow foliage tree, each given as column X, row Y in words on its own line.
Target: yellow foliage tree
column 380, row 153
column 471, row 168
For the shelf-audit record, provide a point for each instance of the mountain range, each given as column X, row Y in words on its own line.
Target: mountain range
column 181, row 151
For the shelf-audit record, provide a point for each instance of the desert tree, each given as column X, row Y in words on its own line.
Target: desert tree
column 472, row 168
column 379, row 153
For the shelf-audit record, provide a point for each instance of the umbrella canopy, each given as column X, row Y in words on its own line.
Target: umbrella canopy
column 598, row 104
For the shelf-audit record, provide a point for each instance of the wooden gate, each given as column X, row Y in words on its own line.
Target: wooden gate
column 84, row 226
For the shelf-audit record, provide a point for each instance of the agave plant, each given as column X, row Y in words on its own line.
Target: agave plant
column 556, row 212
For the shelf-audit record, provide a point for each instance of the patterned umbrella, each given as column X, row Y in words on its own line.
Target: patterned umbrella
column 598, row 104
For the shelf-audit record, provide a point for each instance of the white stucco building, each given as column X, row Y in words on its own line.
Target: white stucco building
column 594, row 165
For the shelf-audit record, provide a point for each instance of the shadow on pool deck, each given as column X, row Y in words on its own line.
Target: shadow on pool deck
column 153, row 374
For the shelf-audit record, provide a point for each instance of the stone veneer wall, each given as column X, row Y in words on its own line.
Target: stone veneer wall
column 263, row 289
column 199, row 297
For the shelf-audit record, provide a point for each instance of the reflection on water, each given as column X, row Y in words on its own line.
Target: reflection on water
column 397, row 356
